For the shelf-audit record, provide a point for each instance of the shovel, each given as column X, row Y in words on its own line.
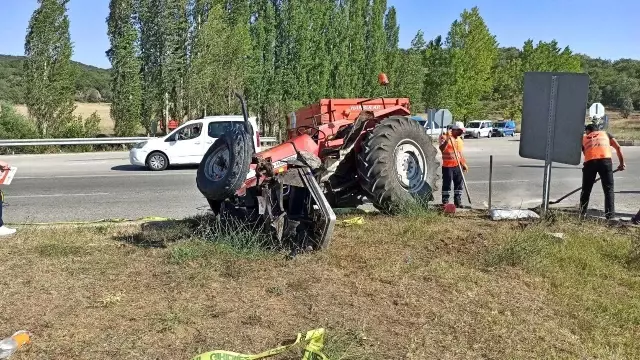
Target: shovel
column 464, row 181
column 576, row 190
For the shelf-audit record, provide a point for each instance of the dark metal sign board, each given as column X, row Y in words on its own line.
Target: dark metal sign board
column 553, row 116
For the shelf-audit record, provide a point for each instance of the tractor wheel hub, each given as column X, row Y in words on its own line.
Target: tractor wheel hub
column 217, row 164
column 410, row 165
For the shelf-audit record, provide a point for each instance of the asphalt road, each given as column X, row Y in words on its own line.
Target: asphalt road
column 92, row 186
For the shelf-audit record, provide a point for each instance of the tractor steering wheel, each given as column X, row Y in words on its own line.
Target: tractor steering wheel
column 315, row 131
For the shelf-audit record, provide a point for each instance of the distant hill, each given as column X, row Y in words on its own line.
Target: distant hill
column 92, row 83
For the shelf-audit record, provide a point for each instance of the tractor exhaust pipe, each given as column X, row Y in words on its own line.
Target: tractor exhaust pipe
column 245, row 114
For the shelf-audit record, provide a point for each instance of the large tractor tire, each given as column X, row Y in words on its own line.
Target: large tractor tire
column 397, row 164
column 225, row 166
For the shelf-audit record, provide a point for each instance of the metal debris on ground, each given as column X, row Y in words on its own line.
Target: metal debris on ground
column 313, row 350
column 358, row 220
column 557, row 235
column 516, row 214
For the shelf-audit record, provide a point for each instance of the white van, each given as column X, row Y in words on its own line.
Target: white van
column 187, row 144
column 479, row 128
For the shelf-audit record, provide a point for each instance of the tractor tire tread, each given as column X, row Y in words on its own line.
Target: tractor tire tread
column 375, row 162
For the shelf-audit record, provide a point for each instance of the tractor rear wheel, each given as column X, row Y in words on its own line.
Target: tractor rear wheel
column 225, row 165
column 397, row 164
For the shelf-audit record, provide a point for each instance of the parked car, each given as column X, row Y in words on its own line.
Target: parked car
column 479, row 128
column 188, row 143
column 504, row 128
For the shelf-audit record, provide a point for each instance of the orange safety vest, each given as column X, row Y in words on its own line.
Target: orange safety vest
column 596, row 145
column 448, row 155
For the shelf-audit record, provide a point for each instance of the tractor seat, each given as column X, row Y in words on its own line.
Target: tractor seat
column 330, row 152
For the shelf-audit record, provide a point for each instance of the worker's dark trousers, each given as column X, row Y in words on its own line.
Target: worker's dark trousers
column 449, row 175
column 1, row 205
column 604, row 168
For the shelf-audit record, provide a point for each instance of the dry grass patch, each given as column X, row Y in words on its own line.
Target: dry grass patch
column 412, row 287
column 85, row 110
column 624, row 129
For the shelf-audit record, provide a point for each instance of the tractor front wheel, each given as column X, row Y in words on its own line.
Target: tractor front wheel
column 397, row 164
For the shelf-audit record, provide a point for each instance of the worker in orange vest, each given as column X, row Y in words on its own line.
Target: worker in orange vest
column 451, row 145
column 596, row 146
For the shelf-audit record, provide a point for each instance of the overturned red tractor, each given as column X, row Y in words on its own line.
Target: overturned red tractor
column 338, row 153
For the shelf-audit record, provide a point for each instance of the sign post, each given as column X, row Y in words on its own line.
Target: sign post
column 548, row 160
column 553, row 102
column 443, row 117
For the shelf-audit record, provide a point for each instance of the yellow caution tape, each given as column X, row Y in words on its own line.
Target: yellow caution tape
column 313, row 350
column 115, row 220
column 358, row 220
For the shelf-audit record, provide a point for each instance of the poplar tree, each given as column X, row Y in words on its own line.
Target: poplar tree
column 175, row 28
column 473, row 51
column 376, row 44
column 49, row 73
column 125, row 68
column 392, row 34
column 318, row 74
column 437, row 76
column 338, row 53
column 148, row 16
column 263, row 92
column 238, row 51
column 207, row 65
column 357, row 59
column 411, row 77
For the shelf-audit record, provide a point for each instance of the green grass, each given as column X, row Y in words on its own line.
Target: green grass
column 593, row 279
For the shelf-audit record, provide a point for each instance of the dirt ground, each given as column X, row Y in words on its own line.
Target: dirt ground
column 413, row 287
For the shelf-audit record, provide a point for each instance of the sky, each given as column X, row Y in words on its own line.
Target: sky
column 588, row 27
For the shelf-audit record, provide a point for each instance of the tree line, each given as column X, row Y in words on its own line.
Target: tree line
column 182, row 59
column 92, row 84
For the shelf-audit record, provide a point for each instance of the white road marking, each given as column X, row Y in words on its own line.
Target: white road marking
column 55, row 195
column 102, row 175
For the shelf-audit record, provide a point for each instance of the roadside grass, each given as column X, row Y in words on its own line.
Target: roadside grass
column 626, row 129
column 415, row 286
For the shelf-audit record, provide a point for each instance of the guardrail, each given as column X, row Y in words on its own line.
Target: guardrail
column 92, row 141
column 268, row 140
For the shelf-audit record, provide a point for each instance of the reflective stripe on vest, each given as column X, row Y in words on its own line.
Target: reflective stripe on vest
column 596, row 145
column 448, row 156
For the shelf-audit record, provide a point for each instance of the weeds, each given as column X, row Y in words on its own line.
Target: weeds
column 527, row 249
column 414, row 208
column 235, row 236
column 190, row 250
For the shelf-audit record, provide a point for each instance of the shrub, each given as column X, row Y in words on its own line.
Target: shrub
column 627, row 107
column 14, row 125
column 79, row 128
column 93, row 96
